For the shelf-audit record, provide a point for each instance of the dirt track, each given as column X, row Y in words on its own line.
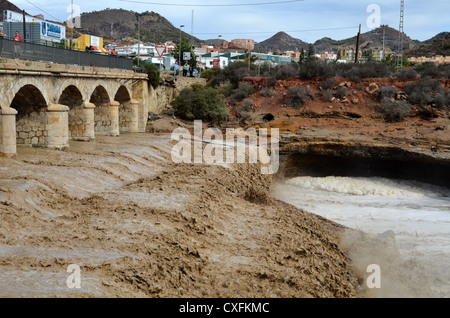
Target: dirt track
column 140, row 226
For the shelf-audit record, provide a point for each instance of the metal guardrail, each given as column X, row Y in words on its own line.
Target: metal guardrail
column 42, row 53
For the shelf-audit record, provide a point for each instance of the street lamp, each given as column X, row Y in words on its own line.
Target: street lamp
column 179, row 53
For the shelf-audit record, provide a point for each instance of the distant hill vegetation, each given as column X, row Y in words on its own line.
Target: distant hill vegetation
column 440, row 45
column 370, row 40
column 281, row 42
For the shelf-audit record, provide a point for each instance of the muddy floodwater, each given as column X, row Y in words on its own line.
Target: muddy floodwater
column 138, row 225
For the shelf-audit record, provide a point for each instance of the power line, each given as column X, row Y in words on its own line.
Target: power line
column 43, row 11
column 212, row 5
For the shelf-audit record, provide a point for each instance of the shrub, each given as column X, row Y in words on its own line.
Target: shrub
column 243, row 91
column 394, row 111
column 341, row 92
column 314, row 68
column 428, row 69
column 285, row 71
column 152, row 71
column 200, row 102
column 210, row 73
column 355, row 72
column 225, row 88
column 408, row 73
column 296, row 97
column 388, row 92
column 233, row 73
column 330, row 83
column 442, row 101
column 267, row 92
column 308, row 91
column 248, row 105
column 327, row 95
column 271, row 81
column 421, row 93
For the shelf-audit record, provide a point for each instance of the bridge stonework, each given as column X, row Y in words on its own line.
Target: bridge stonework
column 46, row 105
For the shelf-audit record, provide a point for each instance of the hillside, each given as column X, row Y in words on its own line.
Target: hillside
column 112, row 24
column 281, row 42
column 440, row 46
column 439, row 36
column 369, row 40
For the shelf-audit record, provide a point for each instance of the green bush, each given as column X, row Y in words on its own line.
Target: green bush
column 243, row 91
column 153, row 73
column 341, row 92
column 284, row 71
column 407, row 73
column 225, row 88
column 210, row 73
column 267, row 92
column 442, row 101
column 394, row 111
column 200, row 102
column 297, row 96
column 388, row 92
column 233, row 73
column 327, row 95
column 330, row 83
column 422, row 92
column 314, row 68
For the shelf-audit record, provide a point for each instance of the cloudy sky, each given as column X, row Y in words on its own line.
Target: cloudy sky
column 308, row 20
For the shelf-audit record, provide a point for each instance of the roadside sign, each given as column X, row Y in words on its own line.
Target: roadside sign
column 186, row 56
column 160, row 50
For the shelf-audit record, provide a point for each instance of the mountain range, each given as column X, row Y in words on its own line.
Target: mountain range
column 121, row 26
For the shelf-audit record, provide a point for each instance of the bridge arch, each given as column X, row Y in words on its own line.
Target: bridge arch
column 25, row 82
column 127, row 110
column 80, row 117
column 106, row 115
column 31, row 119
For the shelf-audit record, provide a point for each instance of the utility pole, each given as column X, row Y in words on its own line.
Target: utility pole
column 179, row 53
column 139, row 39
column 358, row 38
column 24, row 26
column 400, row 37
column 383, row 57
column 72, row 23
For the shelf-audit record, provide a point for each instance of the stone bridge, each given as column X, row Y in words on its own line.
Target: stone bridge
column 46, row 105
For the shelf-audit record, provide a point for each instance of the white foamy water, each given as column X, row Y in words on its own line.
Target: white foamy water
column 418, row 214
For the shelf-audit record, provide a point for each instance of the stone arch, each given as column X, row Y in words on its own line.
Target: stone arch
column 31, row 119
column 26, row 82
column 80, row 117
column 106, row 115
column 71, row 97
column 127, row 111
column 99, row 96
column 74, row 83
